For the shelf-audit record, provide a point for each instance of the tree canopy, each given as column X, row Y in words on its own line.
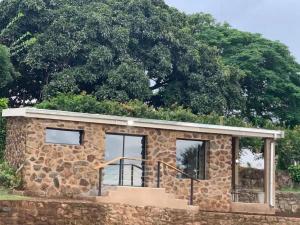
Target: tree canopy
column 143, row 49
column 271, row 81
column 118, row 50
column 7, row 71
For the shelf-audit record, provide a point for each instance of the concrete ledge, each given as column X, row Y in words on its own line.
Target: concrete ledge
column 253, row 208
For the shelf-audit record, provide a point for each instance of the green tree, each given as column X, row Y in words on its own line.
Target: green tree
column 271, row 81
column 288, row 149
column 117, row 50
column 7, row 71
column 3, row 105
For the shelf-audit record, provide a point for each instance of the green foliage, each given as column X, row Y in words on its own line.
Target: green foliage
column 8, row 176
column 7, row 71
column 271, row 76
column 135, row 108
column 294, row 171
column 3, row 105
column 124, row 50
column 112, row 49
column 288, row 148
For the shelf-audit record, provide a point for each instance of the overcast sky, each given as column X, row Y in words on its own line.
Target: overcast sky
column 275, row 19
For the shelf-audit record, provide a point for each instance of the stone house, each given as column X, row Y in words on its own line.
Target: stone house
column 68, row 154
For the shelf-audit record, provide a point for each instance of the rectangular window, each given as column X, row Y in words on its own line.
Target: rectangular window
column 60, row 136
column 191, row 158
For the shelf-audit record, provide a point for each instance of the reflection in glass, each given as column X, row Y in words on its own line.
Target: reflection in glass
column 57, row 136
column 113, row 149
column 124, row 146
column 190, row 158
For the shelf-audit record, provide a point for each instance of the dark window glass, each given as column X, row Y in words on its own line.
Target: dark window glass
column 190, row 158
column 69, row 137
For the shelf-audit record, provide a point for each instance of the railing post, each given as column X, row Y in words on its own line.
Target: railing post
column 192, row 192
column 121, row 173
column 131, row 175
column 158, row 174
column 100, row 182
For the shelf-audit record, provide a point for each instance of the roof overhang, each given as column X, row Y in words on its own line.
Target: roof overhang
column 141, row 122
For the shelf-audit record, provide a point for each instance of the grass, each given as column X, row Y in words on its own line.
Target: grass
column 4, row 195
column 289, row 189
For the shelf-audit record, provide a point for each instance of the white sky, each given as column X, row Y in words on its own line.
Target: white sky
column 275, row 19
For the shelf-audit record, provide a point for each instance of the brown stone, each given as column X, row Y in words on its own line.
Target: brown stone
column 46, row 169
column 56, row 182
column 37, row 167
column 83, row 182
column 91, row 158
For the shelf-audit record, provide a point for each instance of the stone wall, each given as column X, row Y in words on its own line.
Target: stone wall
column 283, row 179
column 68, row 170
column 288, row 203
column 251, row 178
column 15, row 141
column 51, row 212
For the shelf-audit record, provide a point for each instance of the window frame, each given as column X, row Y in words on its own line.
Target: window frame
column 80, row 131
column 206, row 148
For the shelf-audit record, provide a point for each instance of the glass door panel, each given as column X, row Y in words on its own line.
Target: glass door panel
column 129, row 172
column 113, row 149
column 133, row 173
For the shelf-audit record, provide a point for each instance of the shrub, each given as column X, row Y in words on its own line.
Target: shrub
column 288, row 148
column 3, row 105
column 294, row 172
column 134, row 108
column 8, row 176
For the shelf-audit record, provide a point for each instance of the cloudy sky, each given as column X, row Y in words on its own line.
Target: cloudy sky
column 275, row 19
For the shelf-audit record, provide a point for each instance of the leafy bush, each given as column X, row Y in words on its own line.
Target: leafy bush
column 134, row 108
column 3, row 105
column 8, row 176
column 288, row 148
column 294, row 171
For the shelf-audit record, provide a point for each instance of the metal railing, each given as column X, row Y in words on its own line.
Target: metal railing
column 159, row 163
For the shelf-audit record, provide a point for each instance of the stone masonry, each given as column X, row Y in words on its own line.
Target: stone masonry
column 288, row 203
column 55, row 212
column 56, row 170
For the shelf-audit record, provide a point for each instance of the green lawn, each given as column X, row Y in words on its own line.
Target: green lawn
column 4, row 195
column 288, row 189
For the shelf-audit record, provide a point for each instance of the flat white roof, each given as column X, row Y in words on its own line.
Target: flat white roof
column 141, row 122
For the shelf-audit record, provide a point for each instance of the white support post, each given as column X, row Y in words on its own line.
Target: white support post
column 269, row 178
column 272, row 175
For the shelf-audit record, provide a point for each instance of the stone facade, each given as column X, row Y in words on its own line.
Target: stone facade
column 68, row 170
column 54, row 212
column 251, row 178
column 16, row 141
column 288, row 203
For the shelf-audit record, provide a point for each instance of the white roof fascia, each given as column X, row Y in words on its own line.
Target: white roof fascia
column 141, row 122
